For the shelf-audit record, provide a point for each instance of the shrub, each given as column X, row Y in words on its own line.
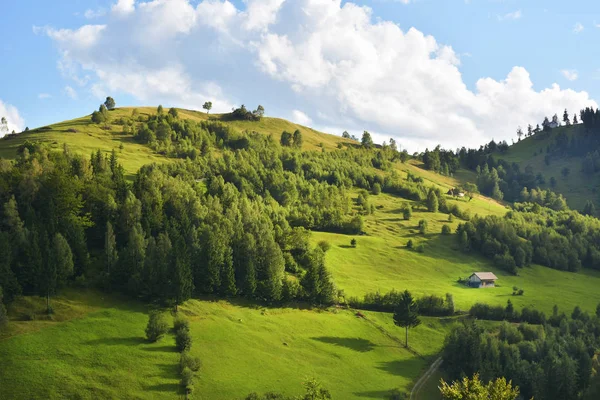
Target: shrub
column 409, row 244
column 450, row 217
column 446, row 229
column 180, row 323
column 422, row 226
column 187, row 379
column 186, row 360
column 420, row 248
column 324, row 245
column 376, row 188
column 353, row 243
column 520, row 292
column 183, row 340
column 407, row 212
column 157, row 326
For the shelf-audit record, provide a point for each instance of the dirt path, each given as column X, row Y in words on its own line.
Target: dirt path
column 415, row 391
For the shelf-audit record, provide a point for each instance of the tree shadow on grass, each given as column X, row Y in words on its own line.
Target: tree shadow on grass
column 166, row 387
column 378, row 394
column 164, row 349
column 357, row 344
column 345, row 246
column 402, row 367
column 117, row 341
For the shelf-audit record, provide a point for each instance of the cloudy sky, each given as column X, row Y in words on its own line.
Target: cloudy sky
column 453, row 72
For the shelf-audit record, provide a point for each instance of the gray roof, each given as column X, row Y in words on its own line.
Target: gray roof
column 485, row 276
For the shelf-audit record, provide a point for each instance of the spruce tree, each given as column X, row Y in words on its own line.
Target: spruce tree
column 406, row 314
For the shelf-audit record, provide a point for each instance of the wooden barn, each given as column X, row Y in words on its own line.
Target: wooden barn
column 482, row 280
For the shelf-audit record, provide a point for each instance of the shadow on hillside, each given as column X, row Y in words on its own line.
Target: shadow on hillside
column 164, row 349
column 357, row 344
column 377, row 394
column 116, row 341
column 165, row 387
column 345, row 246
column 169, row 370
column 401, row 367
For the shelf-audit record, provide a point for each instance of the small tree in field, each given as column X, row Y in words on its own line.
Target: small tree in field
column 422, row 227
column 406, row 314
column 110, row 103
column 157, row 326
column 183, row 339
column 407, row 212
column 207, row 106
column 353, row 243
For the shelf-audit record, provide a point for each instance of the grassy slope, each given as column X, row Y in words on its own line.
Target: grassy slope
column 577, row 187
column 101, row 353
column 381, row 262
column 91, row 137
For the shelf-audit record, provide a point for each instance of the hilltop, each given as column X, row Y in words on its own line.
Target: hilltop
column 84, row 136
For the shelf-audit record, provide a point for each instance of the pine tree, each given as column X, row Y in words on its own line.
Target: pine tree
column 110, row 249
column 406, row 314
column 432, row 202
column 57, row 267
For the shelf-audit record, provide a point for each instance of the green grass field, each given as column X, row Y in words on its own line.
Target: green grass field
column 98, row 351
column 382, row 262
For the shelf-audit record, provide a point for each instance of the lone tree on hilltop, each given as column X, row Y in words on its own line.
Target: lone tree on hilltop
column 367, row 140
column 207, row 106
column 110, row 103
column 406, row 314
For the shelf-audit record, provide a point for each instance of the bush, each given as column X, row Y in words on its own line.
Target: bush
column 324, row 245
column 407, row 213
column 409, row 244
column 422, row 227
column 446, row 229
column 420, row 248
column 188, row 361
column 187, row 379
column 376, row 188
column 157, row 326
column 450, row 217
column 353, row 243
column 183, row 340
column 180, row 323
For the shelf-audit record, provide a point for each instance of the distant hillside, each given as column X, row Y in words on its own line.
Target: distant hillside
column 531, row 152
column 84, row 137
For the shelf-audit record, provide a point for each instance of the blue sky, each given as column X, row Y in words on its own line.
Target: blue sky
column 281, row 54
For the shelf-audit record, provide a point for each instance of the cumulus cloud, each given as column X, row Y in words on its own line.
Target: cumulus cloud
column 300, row 118
column 335, row 62
column 13, row 118
column 123, row 7
column 570, row 74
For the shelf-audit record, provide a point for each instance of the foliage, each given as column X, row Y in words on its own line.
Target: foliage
column 207, row 106
column 186, row 360
column 407, row 212
column 183, row 339
column 474, row 389
column 422, row 226
column 157, row 326
column 446, row 229
column 406, row 313
column 3, row 315
column 110, row 103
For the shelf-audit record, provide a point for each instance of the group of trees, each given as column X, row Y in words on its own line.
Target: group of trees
column 243, row 114
column 292, row 140
column 564, row 240
column 548, row 362
column 431, row 305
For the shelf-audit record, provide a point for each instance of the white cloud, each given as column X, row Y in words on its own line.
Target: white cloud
column 578, row 28
column 300, row 118
column 15, row 121
column 570, row 74
column 43, row 96
column 72, row 93
column 333, row 61
column 91, row 14
column 123, row 7
column 511, row 16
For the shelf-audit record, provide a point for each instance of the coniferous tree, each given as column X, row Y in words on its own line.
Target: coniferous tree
column 298, row 139
column 432, row 202
column 406, row 314
column 111, row 256
column 57, row 267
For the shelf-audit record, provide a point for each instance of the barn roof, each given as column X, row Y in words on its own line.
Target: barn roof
column 485, row 276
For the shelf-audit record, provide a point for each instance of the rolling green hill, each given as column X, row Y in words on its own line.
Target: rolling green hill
column 577, row 187
column 85, row 137
column 93, row 345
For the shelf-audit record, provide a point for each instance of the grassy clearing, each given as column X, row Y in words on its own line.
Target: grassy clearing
column 98, row 351
column 382, row 262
